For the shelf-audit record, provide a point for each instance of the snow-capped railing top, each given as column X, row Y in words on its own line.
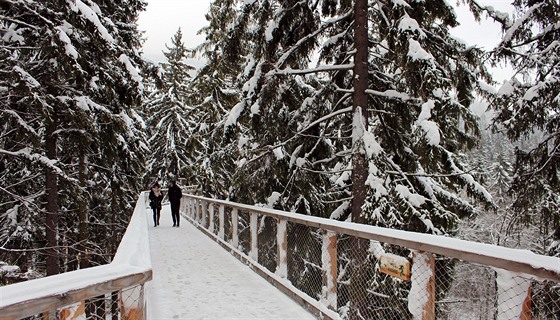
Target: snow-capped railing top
column 131, row 266
column 514, row 260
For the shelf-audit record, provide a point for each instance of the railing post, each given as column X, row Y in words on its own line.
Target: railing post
column 192, row 209
column 197, row 210
column 204, row 213
column 254, row 253
column 526, row 313
column 182, row 206
column 189, row 207
column 75, row 312
column 221, row 232
column 513, row 295
column 282, row 248
column 329, row 256
column 211, row 218
column 234, row 225
column 114, row 305
column 422, row 295
column 132, row 303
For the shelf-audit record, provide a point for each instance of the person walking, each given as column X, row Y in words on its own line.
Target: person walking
column 156, row 197
column 175, row 194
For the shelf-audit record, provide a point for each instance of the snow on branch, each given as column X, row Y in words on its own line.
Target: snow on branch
column 514, row 27
column 13, row 35
column 391, row 94
column 19, row 22
column 469, row 179
column 429, row 127
column 234, row 114
column 29, row 80
column 330, row 115
column 416, row 52
column 46, row 162
column 310, row 36
column 89, row 14
column 85, row 102
column 132, row 70
column 22, row 122
column 499, row 16
column 409, row 24
column 289, row 71
column 68, row 46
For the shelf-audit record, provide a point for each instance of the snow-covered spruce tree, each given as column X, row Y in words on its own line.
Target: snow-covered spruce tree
column 302, row 137
column 213, row 93
column 529, row 102
column 21, row 179
column 168, row 114
column 273, row 109
column 72, row 70
column 256, row 124
column 421, row 83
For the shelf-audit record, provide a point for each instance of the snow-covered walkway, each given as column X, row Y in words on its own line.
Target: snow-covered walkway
column 195, row 278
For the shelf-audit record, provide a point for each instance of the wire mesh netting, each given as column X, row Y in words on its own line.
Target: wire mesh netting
column 244, row 232
column 305, row 270
column 365, row 279
column 118, row 305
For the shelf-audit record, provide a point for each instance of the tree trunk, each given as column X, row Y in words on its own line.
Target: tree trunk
column 83, row 236
column 359, row 125
column 359, row 267
column 51, row 192
column 113, row 241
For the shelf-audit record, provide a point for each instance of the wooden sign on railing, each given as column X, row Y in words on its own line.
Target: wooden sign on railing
column 394, row 265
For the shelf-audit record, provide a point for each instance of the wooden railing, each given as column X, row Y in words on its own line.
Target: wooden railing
column 239, row 228
column 272, row 241
column 117, row 289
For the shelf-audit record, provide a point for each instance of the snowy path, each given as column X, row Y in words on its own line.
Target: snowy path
column 195, row 278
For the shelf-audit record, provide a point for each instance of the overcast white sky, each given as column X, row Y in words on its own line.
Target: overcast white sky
column 163, row 17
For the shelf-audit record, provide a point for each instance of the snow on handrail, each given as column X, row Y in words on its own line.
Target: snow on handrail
column 131, row 266
column 514, row 260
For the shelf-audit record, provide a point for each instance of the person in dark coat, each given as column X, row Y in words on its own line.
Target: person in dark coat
column 156, row 197
column 175, row 194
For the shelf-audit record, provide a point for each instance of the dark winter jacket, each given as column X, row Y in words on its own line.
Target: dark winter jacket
column 175, row 194
column 155, row 201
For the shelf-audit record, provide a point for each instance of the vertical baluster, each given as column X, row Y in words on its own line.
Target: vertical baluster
column 221, row 232
column 204, row 213
column 211, row 218
column 76, row 312
column 234, row 224
column 513, row 296
column 421, row 298
column 197, row 209
column 329, row 296
column 282, row 248
column 254, row 253
column 132, row 303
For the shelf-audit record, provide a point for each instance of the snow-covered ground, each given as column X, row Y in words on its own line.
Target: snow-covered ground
column 195, row 278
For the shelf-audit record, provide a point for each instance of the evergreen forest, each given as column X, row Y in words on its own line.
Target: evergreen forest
column 363, row 111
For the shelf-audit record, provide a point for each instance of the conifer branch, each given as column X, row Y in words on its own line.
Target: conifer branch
column 315, row 70
column 309, row 37
column 429, row 175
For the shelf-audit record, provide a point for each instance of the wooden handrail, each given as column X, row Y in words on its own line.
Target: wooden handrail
column 51, row 298
column 515, row 260
column 131, row 267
